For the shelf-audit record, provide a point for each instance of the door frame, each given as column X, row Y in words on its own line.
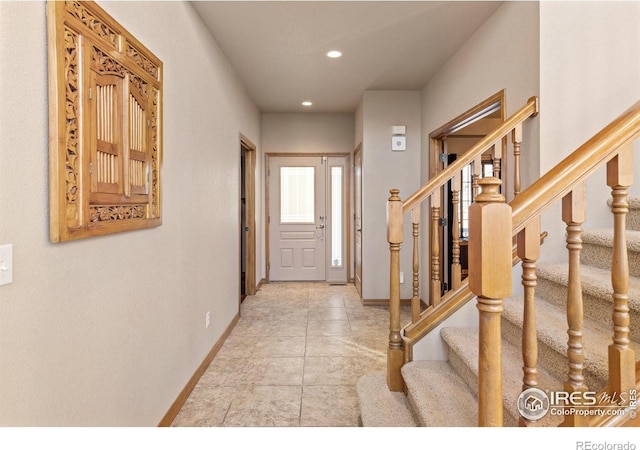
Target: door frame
column 347, row 195
column 250, row 214
column 466, row 118
column 436, row 147
column 357, row 151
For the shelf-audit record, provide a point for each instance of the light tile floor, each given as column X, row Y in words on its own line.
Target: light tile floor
column 292, row 360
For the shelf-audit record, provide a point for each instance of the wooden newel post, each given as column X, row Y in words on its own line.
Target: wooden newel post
column 395, row 353
column 490, row 260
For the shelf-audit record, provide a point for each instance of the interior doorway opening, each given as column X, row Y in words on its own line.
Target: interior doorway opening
column 448, row 143
column 247, row 218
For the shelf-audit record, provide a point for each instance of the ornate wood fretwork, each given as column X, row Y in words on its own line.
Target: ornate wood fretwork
column 86, row 13
column 155, row 153
column 105, row 91
column 72, row 134
column 116, row 213
column 104, row 64
column 142, row 60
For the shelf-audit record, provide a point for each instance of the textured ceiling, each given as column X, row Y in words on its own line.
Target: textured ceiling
column 278, row 48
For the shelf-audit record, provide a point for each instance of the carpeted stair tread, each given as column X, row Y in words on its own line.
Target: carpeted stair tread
column 445, row 393
column 597, row 249
column 595, row 281
column 551, row 325
column 379, row 407
column 464, row 342
column 604, row 237
column 439, row 396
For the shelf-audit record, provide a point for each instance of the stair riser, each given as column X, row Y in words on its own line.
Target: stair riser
column 595, row 308
column 600, row 256
column 471, row 379
column 412, row 401
column 552, row 361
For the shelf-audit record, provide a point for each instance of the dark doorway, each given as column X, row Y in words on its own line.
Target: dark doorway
column 243, row 223
column 247, row 218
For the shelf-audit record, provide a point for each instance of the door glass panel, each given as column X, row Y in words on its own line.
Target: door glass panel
column 297, row 195
column 336, row 216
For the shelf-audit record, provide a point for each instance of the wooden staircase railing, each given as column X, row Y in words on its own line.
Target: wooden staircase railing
column 438, row 307
column 565, row 183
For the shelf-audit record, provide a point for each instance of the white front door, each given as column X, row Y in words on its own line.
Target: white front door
column 307, row 218
column 297, row 218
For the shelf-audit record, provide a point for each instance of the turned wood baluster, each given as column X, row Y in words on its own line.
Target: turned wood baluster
column 415, row 299
column 477, row 171
column 621, row 355
column 516, row 138
column 490, row 257
column 497, row 158
column 573, row 214
column 395, row 354
column 456, row 268
column 529, row 251
column 435, row 289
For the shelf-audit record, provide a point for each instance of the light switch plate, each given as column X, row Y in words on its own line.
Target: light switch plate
column 6, row 264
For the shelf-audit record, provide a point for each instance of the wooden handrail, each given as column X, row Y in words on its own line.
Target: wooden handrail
column 528, row 110
column 451, row 302
column 613, row 147
column 560, row 180
column 543, row 192
column 396, row 211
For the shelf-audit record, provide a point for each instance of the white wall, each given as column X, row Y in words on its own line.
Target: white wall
column 359, row 124
column 304, row 133
column 589, row 74
column 382, row 170
column 502, row 54
column 107, row 331
column 307, row 132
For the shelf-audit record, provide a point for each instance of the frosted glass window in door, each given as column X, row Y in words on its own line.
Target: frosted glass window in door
column 297, row 195
column 336, row 216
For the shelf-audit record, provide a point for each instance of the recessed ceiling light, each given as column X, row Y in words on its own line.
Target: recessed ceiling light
column 307, row 103
column 334, row 54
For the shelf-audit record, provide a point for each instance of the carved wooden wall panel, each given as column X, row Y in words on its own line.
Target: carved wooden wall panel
column 105, row 125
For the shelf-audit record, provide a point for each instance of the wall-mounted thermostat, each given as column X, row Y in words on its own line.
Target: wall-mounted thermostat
column 398, row 143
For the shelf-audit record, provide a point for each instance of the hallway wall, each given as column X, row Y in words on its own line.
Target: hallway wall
column 502, row 54
column 382, row 170
column 582, row 91
column 107, row 331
